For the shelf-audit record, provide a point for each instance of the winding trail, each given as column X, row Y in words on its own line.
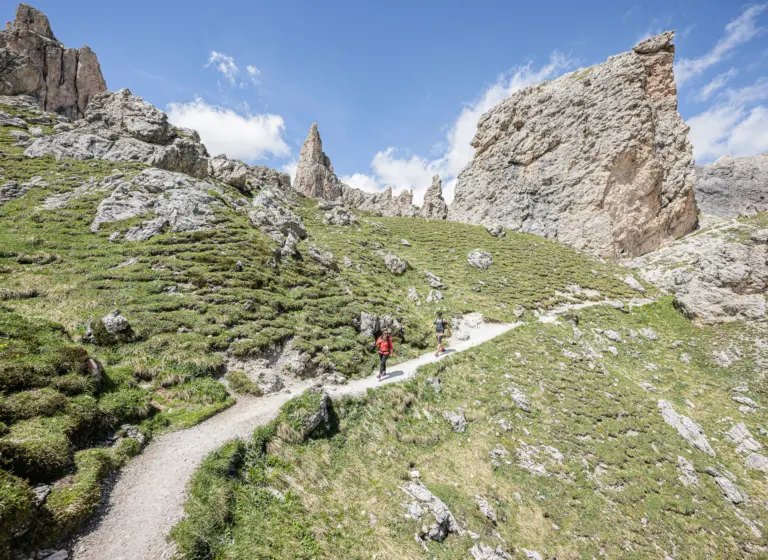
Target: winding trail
column 148, row 496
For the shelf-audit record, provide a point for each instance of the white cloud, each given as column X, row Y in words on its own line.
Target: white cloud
column 225, row 65
column 290, row 168
column 246, row 137
column 361, row 181
column 717, row 83
column 415, row 172
column 253, row 74
column 739, row 31
column 735, row 125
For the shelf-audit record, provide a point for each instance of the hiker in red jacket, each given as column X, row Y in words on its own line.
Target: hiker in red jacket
column 384, row 344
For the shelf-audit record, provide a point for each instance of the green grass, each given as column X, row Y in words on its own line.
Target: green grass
column 241, row 384
column 615, row 493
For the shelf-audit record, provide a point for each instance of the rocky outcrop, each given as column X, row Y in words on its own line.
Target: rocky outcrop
column 733, row 187
column 718, row 275
column 33, row 62
column 119, row 126
column 171, row 201
column 434, row 207
column 598, row 159
column 315, row 178
column 689, row 430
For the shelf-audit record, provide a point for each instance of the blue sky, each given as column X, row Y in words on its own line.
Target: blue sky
column 396, row 87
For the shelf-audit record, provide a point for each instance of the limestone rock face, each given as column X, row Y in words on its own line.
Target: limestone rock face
column 33, row 62
column 598, row 159
column 315, row 178
column 119, row 126
column 733, row 187
column 434, row 207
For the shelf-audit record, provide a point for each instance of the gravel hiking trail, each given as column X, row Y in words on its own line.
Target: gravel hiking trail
column 147, row 498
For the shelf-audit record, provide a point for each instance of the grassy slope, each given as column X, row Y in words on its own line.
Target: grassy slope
column 52, row 268
column 591, row 410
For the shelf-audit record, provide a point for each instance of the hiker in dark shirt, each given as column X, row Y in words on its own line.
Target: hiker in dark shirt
column 441, row 325
column 386, row 349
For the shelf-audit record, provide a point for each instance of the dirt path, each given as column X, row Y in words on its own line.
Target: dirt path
column 149, row 494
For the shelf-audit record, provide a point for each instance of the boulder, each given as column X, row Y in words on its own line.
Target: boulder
column 395, row 264
column 339, row 216
column 689, row 430
column 115, row 323
column 424, row 504
column 482, row 551
column 35, row 63
column 687, row 472
column 324, row 258
column 733, row 187
column 274, row 218
column 434, row 206
column 496, row 230
column 598, row 159
column 434, row 281
column 480, row 259
column 369, row 324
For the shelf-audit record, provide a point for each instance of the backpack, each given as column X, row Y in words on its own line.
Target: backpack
column 440, row 324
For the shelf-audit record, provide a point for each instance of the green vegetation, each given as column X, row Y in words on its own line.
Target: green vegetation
column 611, row 487
column 195, row 299
column 241, row 384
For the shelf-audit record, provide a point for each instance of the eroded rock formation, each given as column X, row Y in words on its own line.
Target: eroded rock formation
column 598, row 159
column 315, row 178
column 33, row 62
column 434, row 207
column 733, row 187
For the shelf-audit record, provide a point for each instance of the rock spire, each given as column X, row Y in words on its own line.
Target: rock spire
column 434, row 207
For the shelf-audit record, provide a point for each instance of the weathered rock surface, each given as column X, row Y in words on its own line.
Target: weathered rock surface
column 687, row 472
column 598, row 159
column 176, row 201
column 33, row 62
column 395, row 264
column 482, row 551
column 272, row 215
column 733, row 187
column 480, row 259
column 13, row 189
column 118, row 126
column 456, row 419
column 424, row 503
column 324, row 258
column 315, row 178
column 718, row 275
column 434, row 206
column 687, row 428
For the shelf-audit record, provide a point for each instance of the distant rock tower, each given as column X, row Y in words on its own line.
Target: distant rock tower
column 33, row 62
column 434, row 207
column 314, row 175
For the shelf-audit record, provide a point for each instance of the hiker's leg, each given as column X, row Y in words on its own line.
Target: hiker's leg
column 382, row 364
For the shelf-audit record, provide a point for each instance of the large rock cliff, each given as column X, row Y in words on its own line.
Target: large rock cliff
column 315, row 178
column 598, row 159
column 733, row 187
column 33, row 62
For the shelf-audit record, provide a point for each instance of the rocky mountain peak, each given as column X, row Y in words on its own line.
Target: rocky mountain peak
column 33, row 62
column 652, row 45
column 31, row 19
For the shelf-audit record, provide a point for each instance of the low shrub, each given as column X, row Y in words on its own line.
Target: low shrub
column 241, row 384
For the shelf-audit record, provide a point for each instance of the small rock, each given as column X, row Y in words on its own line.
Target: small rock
column 457, row 420
column 688, row 472
column 685, row 358
column 413, row 295
column 496, row 230
column 41, row 492
column 36, row 131
column 649, row 334
column 405, row 243
column 434, row 296
column 434, row 281
column 531, row 554
column 757, row 462
column 739, row 435
column 613, row 335
column 486, row 509
column 746, row 401
column 395, row 264
column 632, row 282
column 115, row 323
column 730, row 490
